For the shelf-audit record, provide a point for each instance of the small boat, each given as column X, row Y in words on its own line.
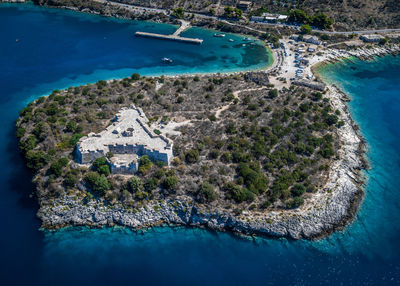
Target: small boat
column 231, row 40
column 247, row 39
column 219, row 35
column 243, row 45
column 167, row 60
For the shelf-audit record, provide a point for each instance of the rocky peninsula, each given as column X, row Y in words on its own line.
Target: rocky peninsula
column 254, row 153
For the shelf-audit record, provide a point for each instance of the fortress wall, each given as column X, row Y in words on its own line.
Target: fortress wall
column 123, row 169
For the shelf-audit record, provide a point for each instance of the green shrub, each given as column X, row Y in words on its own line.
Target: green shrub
column 206, row 193
column 294, row 203
column 97, row 183
column 237, row 193
column 192, row 156
column 170, row 182
column 70, row 180
column 36, row 160
column 135, row 76
column 135, row 185
column 101, row 166
column 145, row 164
column 298, row 190
column 273, row 93
column 57, row 166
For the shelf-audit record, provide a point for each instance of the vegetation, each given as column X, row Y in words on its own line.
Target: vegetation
column 305, row 29
column 267, row 149
column 230, row 12
column 178, row 13
column 320, row 21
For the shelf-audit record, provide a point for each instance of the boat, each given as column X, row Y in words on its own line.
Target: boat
column 219, row 35
column 247, row 39
column 231, row 40
column 167, row 60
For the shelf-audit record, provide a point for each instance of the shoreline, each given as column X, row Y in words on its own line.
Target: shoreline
column 332, row 207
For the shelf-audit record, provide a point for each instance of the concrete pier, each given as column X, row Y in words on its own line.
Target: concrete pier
column 174, row 37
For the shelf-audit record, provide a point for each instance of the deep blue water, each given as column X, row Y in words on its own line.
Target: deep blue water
column 58, row 48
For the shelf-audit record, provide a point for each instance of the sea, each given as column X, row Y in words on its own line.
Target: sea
column 44, row 49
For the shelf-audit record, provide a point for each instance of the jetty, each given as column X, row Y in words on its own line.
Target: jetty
column 173, row 37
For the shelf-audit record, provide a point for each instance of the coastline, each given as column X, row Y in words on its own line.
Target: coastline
column 336, row 206
column 331, row 209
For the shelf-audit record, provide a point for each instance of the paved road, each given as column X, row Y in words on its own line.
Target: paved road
column 140, row 9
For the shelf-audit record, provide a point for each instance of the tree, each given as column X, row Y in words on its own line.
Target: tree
column 97, row 183
column 178, row 13
column 101, row 166
column 273, row 93
column 298, row 16
column 36, row 160
column 145, row 164
column 321, row 21
column 57, row 166
column 206, row 193
column 298, row 189
column 306, row 29
column 383, row 41
column 331, row 119
column 135, row 76
column 135, row 185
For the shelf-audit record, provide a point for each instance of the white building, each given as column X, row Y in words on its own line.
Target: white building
column 371, row 38
column 128, row 138
column 312, row 40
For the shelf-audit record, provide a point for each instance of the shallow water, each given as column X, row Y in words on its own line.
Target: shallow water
column 61, row 48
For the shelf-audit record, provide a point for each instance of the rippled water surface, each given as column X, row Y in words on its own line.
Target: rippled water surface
column 56, row 49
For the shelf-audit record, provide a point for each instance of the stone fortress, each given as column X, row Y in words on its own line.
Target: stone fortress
column 128, row 138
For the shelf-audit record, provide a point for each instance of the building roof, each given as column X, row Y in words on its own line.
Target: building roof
column 129, row 128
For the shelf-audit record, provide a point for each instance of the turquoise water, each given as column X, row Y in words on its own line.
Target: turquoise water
column 60, row 48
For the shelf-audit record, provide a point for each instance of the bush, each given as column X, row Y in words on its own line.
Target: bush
column 135, row 76
column 273, row 93
column 71, row 126
column 237, row 193
column 101, row 166
column 70, row 180
column 206, row 193
column 306, row 29
column 192, row 156
column 178, row 13
column 75, row 139
column 97, row 183
column 294, row 203
column 170, row 182
column 298, row 190
column 36, row 160
column 145, row 164
column 151, row 184
column 331, row 119
column 57, row 166
column 135, row 185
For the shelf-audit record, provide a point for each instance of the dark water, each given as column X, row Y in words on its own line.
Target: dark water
column 58, row 48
